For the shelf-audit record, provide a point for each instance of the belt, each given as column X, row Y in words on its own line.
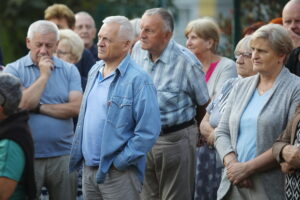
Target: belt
column 176, row 127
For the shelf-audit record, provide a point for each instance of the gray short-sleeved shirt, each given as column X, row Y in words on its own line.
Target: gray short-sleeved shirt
column 52, row 136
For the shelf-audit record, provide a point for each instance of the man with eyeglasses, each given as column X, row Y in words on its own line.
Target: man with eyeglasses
column 52, row 93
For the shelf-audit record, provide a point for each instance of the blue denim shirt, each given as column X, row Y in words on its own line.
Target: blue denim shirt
column 133, row 120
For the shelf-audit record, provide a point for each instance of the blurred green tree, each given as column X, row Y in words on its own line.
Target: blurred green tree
column 17, row 15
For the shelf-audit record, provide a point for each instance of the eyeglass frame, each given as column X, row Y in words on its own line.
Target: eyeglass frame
column 243, row 54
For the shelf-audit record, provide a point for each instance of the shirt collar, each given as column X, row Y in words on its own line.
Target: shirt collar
column 122, row 67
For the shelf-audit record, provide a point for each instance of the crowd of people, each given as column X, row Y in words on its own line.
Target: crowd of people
column 139, row 116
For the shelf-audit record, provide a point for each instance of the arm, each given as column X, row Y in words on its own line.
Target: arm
column 64, row 110
column 7, row 187
column 239, row 171
column 291, row 155
column 228, row 71
column 207, row 130
column 31, row 95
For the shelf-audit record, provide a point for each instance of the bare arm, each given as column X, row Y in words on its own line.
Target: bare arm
column 31, row 95
column 64, row 110
column 7, row 187
column 207, row 130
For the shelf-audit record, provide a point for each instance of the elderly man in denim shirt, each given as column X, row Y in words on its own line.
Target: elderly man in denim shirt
column 119, row 119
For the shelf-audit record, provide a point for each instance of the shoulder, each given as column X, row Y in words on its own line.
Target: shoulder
column 227, row 62
column 137, row 73
column 184, row 54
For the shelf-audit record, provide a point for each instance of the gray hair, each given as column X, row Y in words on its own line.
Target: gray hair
column 125, row 30
column 244, row 44
column 86, row 14
column 42, row 27
column 73, row 40
column 165, row 15
column 136, row 26
column 10, row 93
column 278, row 37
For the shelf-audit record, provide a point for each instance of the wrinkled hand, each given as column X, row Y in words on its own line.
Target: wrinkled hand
column 237, row 172
column 246, row 183
column 46, row 65
column 291, row 155
column 287, row 168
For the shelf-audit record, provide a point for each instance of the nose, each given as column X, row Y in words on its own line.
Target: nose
column 240, row 59
column 43, row 49
column 188, row 42
column 142, row 34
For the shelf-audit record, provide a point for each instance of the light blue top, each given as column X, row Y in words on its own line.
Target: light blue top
column 179, row 81
column 272, row 120
column 51, row 136
column 132, row 124
column 246, row 143
column 12, row 163
column 96, row 108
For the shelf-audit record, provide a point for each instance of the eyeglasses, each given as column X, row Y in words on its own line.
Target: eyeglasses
column 4, row 99
column 62, row 53
column 243, row 54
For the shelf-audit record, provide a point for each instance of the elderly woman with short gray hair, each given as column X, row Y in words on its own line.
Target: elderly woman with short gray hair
column 256, row 112
column 70, row 46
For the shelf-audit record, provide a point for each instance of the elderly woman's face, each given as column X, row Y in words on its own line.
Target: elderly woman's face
column 264, row 58
column 196, row 44
column 243, row 62
column 63, row 51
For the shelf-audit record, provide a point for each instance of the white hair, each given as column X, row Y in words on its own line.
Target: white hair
column 125, row 30
column 42, row 27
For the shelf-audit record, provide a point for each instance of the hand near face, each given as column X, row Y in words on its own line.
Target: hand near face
column 291, row 155
column 237, row 172
column 46, row 65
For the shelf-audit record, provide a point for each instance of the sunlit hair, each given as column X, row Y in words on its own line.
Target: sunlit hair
column 136, row 26
column 165, row 15
column 277, row 36
column 10, row 93
column 60, row 11
column 73, row 40
column 244, row 44
column 125, row 30
column 205, row 28
column 42, row 27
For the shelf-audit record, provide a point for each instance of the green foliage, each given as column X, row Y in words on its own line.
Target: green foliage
column 17, row 15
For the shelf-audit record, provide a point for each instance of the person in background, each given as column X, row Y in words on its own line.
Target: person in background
column 277, row 20
column 70, row 46
column 64, row 18
column 182, row 92
column 248, row 30
column 16, row 145
column 287, row 153
column 136, row 24
column 203, row 37
column 257, row 111
column 85, row 27
column 291, row 21
column 208, row 179
column 119, row 119
column 52, row 93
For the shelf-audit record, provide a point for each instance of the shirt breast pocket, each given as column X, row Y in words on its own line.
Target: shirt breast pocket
column 120, row 111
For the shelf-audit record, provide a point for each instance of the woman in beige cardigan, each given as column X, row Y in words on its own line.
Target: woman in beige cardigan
column 286, row 151
column 256, row 112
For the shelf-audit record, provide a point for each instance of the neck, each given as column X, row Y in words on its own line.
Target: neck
column 154, row 55
column 207, row 59
column 111, row 66
column 266, row 81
